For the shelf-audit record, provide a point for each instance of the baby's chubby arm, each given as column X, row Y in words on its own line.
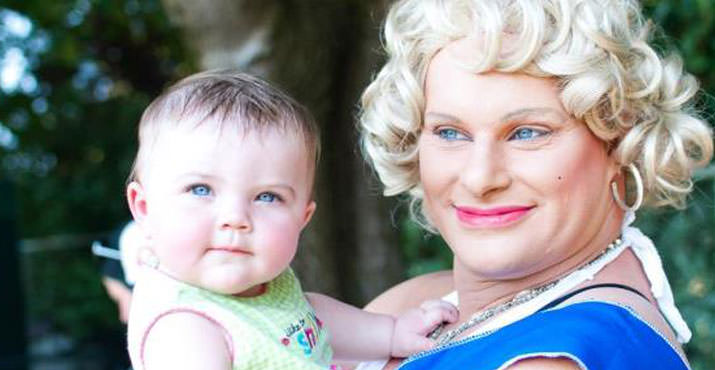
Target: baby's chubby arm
column 359, row 335
column 186, row 340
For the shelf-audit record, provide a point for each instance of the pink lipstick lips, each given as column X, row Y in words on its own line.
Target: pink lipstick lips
column 491, row 217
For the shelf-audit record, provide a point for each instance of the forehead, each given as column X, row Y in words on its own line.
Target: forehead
column 451, row 86
column 225, row 148
column 230, row 137
column 220, row 129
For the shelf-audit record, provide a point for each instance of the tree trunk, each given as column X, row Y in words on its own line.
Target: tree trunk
column 226, row 33
column 323, row 52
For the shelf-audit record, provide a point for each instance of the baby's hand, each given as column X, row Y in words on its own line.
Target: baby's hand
column 411, row 328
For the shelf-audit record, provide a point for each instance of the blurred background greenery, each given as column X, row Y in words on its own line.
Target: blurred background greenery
column 76, row 74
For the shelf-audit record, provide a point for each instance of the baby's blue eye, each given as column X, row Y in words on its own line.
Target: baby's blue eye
column 527, row 133
column 267, row 197
column 200, row 190
column 450, row 134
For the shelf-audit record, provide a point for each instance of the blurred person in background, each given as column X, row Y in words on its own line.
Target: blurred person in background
column 119, row 266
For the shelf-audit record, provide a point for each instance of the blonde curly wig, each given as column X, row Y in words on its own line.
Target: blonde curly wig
column 634, row 99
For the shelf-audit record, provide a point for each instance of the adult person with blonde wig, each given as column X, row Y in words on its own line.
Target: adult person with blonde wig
column 527, row 134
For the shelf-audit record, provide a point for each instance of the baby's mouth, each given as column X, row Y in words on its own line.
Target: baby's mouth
column 232, row 249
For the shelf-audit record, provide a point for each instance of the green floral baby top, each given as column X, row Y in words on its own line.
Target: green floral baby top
column 275, row 330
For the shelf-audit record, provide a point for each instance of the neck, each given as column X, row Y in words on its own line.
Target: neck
column 477, row 292
column 254, row 291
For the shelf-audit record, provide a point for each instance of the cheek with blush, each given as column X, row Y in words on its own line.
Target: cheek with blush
column 178, row 258
column 281, row 243
column 181, row 242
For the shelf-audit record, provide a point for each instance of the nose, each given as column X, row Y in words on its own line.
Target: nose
column 235, row 216
column 485, row 171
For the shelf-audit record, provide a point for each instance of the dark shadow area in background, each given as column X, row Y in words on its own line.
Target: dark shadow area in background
column 12, row 333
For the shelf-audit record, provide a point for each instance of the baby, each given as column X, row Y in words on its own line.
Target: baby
column 222, row 187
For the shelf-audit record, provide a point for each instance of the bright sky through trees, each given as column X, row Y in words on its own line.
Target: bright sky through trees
column 13, row 63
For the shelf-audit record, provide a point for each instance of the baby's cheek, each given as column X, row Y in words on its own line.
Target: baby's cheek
column 176, row 256
column 182, row 246
column 283, row 242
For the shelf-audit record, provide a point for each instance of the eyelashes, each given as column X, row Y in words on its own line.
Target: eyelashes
column 203, row 191
column 528, row 133
column 522, row 133
column 200, row 190
column 450, row 134
column 269, row 197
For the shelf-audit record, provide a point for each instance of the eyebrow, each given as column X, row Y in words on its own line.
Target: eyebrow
column 201, row 176
column 194, row 175
column 441, row 116
column 519, row 113
column 283, row 186
column 529, row 111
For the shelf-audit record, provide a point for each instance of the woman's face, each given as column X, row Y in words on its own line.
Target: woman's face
column 513, row 183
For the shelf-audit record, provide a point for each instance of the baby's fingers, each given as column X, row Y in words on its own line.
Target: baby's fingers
column 431, row 319
column 412, row 327
column 410, row 345
column 440, row 310
column 423, row 344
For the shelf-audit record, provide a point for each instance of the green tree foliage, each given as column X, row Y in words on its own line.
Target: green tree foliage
column 83, row 73
column 687, row 239
column 91, row 68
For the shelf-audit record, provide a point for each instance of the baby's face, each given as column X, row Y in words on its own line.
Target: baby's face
column 224, row 210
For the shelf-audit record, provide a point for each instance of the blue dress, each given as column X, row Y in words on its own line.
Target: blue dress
column 596, row 335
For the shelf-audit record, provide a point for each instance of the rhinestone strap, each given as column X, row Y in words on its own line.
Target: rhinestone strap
column 520, row 298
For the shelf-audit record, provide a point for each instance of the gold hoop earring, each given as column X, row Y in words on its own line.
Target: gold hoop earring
column 639, row 190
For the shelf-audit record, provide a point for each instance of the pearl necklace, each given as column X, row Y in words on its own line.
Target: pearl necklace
column 520, row 298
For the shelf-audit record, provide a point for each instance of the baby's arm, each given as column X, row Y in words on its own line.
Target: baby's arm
column 185, row 340
column 359, row 335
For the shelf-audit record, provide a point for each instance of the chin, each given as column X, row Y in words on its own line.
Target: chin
column 230, row 289
column 495, row 269
column 228, row 283
column 499, row 259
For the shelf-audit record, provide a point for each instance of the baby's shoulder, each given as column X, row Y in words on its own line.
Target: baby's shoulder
column 180, row 339
column 411, row 293
column 166, row 319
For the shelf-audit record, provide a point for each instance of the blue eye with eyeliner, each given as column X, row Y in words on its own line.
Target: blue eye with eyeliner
column 527, row 133
column 450, row 134
column 200, row 190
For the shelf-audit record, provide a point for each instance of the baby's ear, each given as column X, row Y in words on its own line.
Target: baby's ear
column 309, row 210
column 137, row 201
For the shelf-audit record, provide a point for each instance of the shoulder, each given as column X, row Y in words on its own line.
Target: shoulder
column 543, row 363
column 629, row 312
column 591, row 335
column 186, row 340
column 593, row 332
column 639, row 308
column 411, row 293
column 626, row 270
